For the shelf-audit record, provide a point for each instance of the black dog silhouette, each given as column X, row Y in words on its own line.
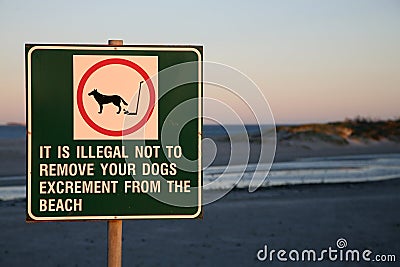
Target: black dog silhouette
column 107, row 99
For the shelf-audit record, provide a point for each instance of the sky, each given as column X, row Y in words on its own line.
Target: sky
column 314, row 61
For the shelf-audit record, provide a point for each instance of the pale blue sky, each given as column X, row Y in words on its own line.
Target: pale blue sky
column 315, row 61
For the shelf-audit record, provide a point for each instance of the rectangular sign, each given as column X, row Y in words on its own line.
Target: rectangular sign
column 113, row 132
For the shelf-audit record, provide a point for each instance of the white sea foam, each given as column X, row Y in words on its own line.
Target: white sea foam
column 343, row 169
column 12, row 192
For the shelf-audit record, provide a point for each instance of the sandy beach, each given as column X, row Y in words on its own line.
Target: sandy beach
column 230, row 234
column 289, row 151
column 233, row 229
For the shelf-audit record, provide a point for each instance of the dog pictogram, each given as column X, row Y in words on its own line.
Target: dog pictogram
column 114, row 99
column 107, row 99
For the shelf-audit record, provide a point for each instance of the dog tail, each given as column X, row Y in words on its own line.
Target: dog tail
column 123, row 101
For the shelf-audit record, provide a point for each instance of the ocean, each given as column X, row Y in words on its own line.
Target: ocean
column 341, row 169
column 14, row 131
column 18, row 131
column 212, row 131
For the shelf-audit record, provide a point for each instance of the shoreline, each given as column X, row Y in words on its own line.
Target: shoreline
column 13, row 158
column 279, row 187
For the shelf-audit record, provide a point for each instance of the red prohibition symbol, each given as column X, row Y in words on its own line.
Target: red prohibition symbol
column 145, row 77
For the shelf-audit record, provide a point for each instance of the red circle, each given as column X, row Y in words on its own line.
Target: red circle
column 132, row 65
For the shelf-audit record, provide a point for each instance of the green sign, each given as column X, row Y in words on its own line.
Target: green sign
column 114, row 132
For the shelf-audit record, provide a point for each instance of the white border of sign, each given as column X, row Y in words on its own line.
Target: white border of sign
column 29, row 131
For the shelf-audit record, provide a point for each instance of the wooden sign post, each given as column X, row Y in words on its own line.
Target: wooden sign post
column 114, row 227
column 114, row 243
